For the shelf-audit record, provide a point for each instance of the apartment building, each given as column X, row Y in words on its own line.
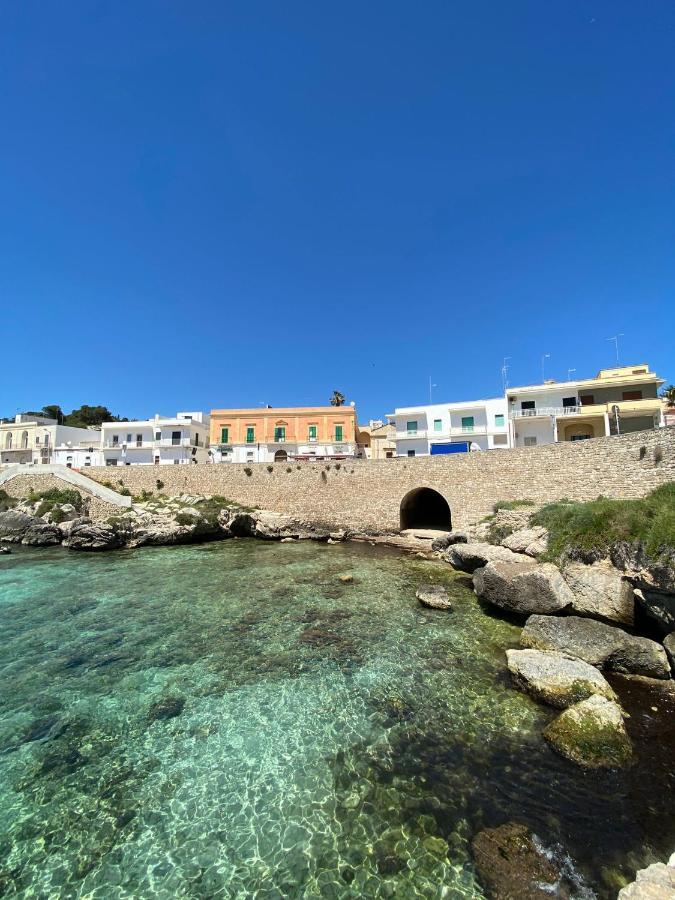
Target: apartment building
column 618, row 400
column 35, row 440
column 179, row 440
column 283, row 433
column 442, row 428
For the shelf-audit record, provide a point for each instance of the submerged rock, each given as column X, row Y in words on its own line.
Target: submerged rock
column 591, row 734
column 656, row 882
column 600, row 591
column 434, row 596
column 604, row 646
column 556, row 678
column 511, row 866
column 469, row 557
column 523, row 586
column 167, row 708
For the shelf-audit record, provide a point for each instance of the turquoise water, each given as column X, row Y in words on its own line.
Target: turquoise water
column 231, row 720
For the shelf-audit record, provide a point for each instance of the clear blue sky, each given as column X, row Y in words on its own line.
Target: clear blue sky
column 222, row 204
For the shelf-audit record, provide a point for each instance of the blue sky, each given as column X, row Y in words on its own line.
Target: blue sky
column 228, row 204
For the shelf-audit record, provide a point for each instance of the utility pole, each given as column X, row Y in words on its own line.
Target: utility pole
column 616, row 345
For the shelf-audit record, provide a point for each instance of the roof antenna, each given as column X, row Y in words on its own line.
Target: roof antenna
column 431, row 387
column 616, row 345
column 544, row 357
column 505, row 373
column 569, row 374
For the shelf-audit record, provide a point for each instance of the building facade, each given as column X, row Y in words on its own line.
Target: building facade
column 617, row 401
column 163, row 441
column 376, row 440
column 451, row 427
column 34, row 440
column 283, row 433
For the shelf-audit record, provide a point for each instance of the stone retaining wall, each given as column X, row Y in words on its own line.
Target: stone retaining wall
column 368, row 494
column 23, row 485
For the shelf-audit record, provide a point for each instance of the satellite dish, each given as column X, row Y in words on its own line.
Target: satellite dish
column 352, row 403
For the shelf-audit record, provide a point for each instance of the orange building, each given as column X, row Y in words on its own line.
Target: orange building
column 276, row 434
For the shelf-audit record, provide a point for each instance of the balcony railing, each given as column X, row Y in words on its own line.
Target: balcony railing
column 543, row 411
column 135, row 445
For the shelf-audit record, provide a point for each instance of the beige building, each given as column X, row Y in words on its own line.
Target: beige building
column 35, row 439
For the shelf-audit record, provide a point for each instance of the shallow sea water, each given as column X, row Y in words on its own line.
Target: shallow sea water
column 231, row 720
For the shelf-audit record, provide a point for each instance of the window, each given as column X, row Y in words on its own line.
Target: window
column 570, row 403
column 250, row 434
column 87, row 460
column 175, row 438
column 587, row 399
column 111, row 462
column 338, row 433
column 176, row 462
column 279, row 434
column 438, row 425
column 411, row 452
column 225, row 435
column 530, row 441
column 312, row 433
column 500, row 440
column 139, row 440
column 128, row 439
column 580, row 437
column 631, row 395
column 249, row 454
column 527, row 406
column 8, row 440
column 499, row 420
column 411, row 427
column 158, row 435
column 467, row 423
column 115, row 439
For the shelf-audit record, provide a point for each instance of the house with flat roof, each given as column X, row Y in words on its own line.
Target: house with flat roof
column 182, row 439
column 618, row 400
column 33, row 440
column 278, row 434
column 441, row 428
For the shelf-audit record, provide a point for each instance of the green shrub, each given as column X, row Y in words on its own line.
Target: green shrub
column 54, row 497
column 248, row 470
column 658, row 454
column 288, row 469
column 596, row 525
column 160, row 484
column 643, row 452
column 57, row 515
column 270, row 468
column 143, row 496
column 124, row 491
column 184, row 519
column 511, row 504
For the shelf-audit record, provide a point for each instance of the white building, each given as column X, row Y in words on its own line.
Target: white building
column 451, row 427
column 36, row 440
column 618, row 400
column 179, row 440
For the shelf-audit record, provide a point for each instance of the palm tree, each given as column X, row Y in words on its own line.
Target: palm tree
column 337, row 399
column 667, row 394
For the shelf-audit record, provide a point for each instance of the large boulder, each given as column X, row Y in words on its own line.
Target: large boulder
column 14, row 524
column 447, row 540
column 669, row 644
column 434, row 596
column 93, row 537
column 600, row 591
column 604, row 646
column 469, row 557
column 41, row 535
column 522, row 586
column 512, row 866
column 556, row 678
column 531, row 541
column 656, row 882
column 591, row 734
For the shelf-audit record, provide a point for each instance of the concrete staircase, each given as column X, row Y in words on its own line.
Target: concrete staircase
column 71, row 477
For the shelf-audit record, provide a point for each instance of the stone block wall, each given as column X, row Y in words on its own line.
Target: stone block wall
column 23, row 485
column 368, row 494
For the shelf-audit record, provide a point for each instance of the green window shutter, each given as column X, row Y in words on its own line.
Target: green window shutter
column 437, row 425
column 411, row 427
column 250, row 435
column 467, row 421
column 279, row 433
column 224, row 435
column 338, row 432
column 312, row 432
column 499, row 419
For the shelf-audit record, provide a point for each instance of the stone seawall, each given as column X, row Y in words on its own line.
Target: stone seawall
column 368, row 494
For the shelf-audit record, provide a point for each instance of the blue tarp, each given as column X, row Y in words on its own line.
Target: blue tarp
column 459, row 447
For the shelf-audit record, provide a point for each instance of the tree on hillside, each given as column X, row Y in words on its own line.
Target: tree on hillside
column 53, row 411
column 337, row 399
column 88, row 416
column 668, row 394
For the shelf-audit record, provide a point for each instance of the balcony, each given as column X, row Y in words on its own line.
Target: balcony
column 542, row 412
column 148, row 445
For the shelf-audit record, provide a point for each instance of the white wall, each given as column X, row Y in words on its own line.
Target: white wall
column 451, row 430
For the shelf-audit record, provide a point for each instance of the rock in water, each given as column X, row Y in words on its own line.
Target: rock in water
column 41, row 535
column 600, row 591
column 523, row 587
column 510, row 866
column 453, row 537
column 556, row 678
column 656, row 882
column 434, row 596
column 168, row 708
column 604, row 646
column 469, row 557
column 591, row 734
column 14, row 524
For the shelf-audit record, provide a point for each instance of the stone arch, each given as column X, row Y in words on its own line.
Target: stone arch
column 24, row 440
column 280, row 456
column 8, row 441
column 425, row 508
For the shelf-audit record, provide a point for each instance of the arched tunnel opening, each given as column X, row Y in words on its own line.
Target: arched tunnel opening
column 425, row 508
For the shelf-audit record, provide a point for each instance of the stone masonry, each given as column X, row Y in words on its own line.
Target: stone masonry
column 367, row 494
